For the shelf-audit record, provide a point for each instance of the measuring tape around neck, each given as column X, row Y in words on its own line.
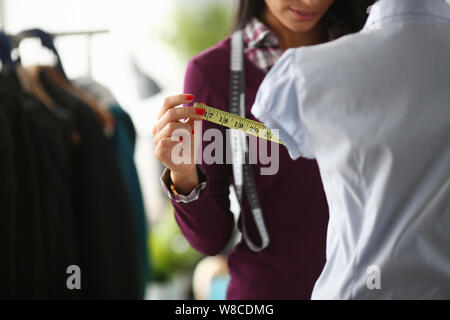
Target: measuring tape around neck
column 233, row 121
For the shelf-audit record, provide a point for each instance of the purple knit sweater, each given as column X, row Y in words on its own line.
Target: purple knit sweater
column 293, row 202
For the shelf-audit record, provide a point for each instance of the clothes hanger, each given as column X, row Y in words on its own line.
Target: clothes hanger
column 46, row 41
column 58, row 75
column 29, row 76
column 27, row 82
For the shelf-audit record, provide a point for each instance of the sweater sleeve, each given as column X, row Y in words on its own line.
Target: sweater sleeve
column 207, row 222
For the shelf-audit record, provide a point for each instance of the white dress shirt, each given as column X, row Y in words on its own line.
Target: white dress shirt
column 374, row 110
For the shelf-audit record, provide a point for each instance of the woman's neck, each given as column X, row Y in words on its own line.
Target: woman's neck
column 290, row 39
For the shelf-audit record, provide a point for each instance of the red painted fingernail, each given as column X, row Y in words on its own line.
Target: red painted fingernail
column 181, row 139
column 200, row 111
column 189, row 97
column 192, row 131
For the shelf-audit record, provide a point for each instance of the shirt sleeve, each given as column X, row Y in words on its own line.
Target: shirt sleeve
column 193, row 196
column 278, row 105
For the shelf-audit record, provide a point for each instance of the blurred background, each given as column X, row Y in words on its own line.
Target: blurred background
column 138, row 49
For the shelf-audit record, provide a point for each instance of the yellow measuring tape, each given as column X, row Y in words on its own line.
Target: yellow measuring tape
column 233, row 121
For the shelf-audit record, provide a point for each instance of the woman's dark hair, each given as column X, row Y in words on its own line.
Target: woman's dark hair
column 343, row 17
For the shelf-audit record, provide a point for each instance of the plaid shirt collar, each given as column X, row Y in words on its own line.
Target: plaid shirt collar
column 261, row 45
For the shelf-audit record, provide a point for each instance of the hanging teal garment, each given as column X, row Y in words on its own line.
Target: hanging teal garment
column 124, row 141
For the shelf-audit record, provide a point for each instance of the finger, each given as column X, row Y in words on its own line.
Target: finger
column 163, row 150
column 197, row 133
column 177, row 114
column 168, row 130
column 173, row 101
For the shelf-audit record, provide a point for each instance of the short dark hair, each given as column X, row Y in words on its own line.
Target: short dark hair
column 343, row 17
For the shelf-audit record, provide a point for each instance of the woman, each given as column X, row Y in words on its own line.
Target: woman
column 293, row 201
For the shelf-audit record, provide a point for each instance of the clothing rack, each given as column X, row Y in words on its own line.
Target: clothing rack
column 71, row 210
column 88, row 33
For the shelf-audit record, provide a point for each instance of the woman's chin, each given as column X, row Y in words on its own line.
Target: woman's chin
column 301, row 27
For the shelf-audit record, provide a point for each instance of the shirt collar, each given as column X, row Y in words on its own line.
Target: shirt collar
column 257, row 34
column 388, row 11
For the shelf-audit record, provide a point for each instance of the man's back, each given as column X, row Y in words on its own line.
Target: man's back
column 376, row 108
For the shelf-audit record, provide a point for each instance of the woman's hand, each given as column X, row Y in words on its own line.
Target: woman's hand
column 184, row 175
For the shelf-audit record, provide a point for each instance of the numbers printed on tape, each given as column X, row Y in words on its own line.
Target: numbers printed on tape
column 233, row 121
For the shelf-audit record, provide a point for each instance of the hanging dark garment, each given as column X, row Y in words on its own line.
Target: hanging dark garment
column 28, row 261
column 124, row 139
column 102, row 210
column 7, row 267
column 53, row 148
